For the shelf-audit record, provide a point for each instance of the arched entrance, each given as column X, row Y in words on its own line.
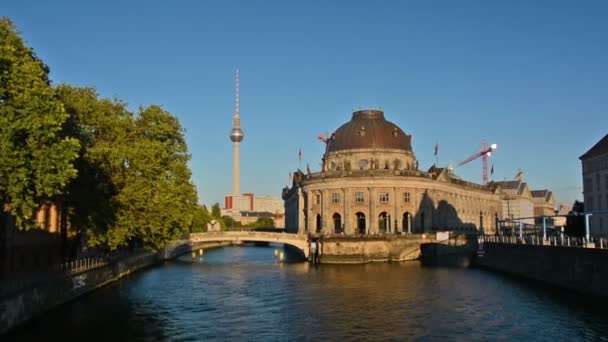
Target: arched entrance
column 383, row 222
column 337, row 223
column 422, row 223
column 318, row 225
column 406, row 222
column 360, row 223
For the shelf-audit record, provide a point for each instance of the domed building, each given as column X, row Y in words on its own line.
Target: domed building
column 370, row 184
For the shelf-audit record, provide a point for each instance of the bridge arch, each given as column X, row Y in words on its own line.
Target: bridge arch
column 299, row 241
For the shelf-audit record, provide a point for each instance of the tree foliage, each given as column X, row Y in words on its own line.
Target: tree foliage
column 575, row 224
column 200, row 219
column 216, row 211
column 36, row 158
column 134, row 180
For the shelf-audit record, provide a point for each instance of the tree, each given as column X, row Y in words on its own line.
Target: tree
column 134, row 180
column 157, row 199
column 264, row 222
column 104, row 128
column 36, row 158
column 200, row 219
column 575, row 224
column 216, row 212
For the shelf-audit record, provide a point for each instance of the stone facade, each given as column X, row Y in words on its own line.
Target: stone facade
column 595, row 186
column 370, row 184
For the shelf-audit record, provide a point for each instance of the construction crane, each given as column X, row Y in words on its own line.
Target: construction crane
column 485, row 153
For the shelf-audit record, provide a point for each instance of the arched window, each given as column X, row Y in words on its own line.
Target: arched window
column 337, row 223
column 360, row 223
column 383, row 222
column 318, row 225
column 406, row 222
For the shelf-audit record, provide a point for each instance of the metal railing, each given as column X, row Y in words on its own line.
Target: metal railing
column 82, row 265
column 536, row 240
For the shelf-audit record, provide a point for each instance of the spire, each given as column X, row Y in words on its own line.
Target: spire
column 236, row 113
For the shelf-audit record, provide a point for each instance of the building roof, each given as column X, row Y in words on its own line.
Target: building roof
column 516, row 186
column 544, row 194
column 369, row 129
column 598, row 149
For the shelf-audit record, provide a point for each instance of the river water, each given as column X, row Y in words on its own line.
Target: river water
column 244, row 293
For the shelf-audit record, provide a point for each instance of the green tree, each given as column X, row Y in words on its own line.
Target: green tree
column 134, row 181
column 157, row 200
column 263, row 222
column 216, row 212
column 104, row 128
column 36, row 158
column 200, row 219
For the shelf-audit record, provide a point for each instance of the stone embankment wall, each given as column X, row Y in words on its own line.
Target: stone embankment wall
column 35, row 300
column 357, row 250
column 581, row 269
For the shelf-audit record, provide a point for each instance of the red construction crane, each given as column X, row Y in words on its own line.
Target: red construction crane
column 485, row 153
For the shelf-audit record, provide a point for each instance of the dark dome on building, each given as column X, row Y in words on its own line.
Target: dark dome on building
column 368, row 129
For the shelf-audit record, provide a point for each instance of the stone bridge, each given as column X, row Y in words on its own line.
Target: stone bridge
column 298, row 241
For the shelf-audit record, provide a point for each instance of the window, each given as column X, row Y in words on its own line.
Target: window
column 384, row 197
column 317, row 199
column 599, row 202
column 597, row 180
column 362, row 164
column 406, row 197
column 590, row 204
column 359, row 197
column 589, row 186
column 335, row 197
column 606, row 181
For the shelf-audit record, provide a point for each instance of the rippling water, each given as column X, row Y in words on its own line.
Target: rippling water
column 242, row 293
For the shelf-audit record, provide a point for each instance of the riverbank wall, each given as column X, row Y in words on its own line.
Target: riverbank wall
column 60, row 288
column 581, row 269
column 35, row 300
column 364, row 249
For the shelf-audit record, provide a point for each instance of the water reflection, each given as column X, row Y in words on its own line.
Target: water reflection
column 245, row 293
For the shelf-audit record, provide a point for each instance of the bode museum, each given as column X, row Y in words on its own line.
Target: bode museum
column 370, row 184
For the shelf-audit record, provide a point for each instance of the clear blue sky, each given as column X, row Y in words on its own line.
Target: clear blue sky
column 529, row 76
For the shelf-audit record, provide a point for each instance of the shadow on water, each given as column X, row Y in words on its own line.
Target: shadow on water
column 96, row 317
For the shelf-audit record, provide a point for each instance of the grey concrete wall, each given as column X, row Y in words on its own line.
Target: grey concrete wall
column 581, row 269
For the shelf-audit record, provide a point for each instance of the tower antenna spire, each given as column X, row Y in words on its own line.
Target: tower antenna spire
column 236, row 135
column 237, row 92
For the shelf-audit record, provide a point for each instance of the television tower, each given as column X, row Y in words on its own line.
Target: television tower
column 236, row 135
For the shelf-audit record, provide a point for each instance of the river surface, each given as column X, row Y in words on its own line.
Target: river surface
column 244, row 293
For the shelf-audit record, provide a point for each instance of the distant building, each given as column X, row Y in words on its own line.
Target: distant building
column 544, row 203
column 516, row 200
column 247, row 208
column 595, row 186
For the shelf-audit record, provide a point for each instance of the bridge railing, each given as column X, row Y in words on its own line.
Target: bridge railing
column 536, row 240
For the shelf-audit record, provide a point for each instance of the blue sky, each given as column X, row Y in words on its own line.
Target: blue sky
column 529, row 76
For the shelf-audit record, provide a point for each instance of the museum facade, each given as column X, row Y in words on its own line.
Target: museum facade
column 370, row 184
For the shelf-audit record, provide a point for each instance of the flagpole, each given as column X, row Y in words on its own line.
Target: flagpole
column 436, row 153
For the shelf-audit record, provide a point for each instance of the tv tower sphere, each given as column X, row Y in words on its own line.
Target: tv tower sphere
column 237, row 135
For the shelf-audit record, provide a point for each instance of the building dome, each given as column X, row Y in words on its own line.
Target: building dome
column 369, row 129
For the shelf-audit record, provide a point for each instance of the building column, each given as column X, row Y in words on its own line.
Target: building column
column 300, row 209
column 345, row 211
column 395, row 215
column 373, row 220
